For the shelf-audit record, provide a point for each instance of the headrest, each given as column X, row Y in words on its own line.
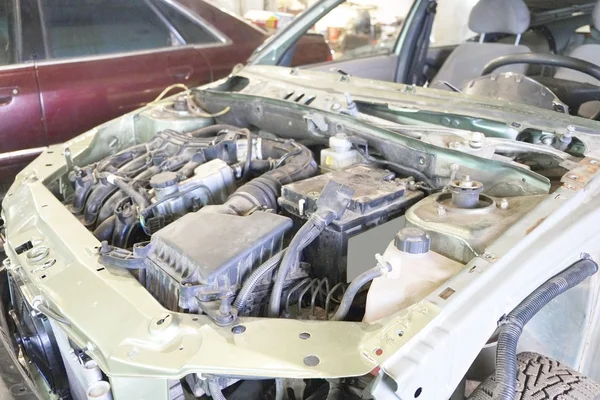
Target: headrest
column 500, row 16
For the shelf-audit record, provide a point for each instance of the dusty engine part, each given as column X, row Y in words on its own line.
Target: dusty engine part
column 204, row 256
column 143, row 188
column 211, row 183
column 463, row 222
column 378, row 197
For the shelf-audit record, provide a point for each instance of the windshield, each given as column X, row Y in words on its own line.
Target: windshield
column 355, row 29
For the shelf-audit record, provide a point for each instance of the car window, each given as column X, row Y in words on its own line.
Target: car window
column 7, row 42
column 355, row 30
column 96, row 27
column 192, row 32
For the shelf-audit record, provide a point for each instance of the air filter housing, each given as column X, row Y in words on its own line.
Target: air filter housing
column 205, row 255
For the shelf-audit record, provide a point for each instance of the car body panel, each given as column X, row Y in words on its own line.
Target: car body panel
column 21, row 116
column 441, row 336
column 78, row 95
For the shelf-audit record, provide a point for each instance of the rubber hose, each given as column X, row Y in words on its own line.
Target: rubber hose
column 256, row 276
column 512, row 326
column 136, row 197
column 309, row 231
column 335, row 391
column 215, row 390
column 353, row 289
column 264, row 190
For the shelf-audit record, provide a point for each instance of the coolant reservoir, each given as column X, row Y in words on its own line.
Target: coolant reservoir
column 340, row 153
column 416, row 272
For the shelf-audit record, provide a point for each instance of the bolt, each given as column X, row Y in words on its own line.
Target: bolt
column 515, row 125
column 594, row 162
column 441, row 210
column 336, row 107
column 225, row 307
column 490, row 256
column 573, row 177
column 349, row 100
column 476, row 140
column 504, row 204
column 15, row 92
column 571, row 129
column 547, row 140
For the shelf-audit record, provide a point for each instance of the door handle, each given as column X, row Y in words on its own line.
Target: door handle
column 181, row 73
column 7, row 95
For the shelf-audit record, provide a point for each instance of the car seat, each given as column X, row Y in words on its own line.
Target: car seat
column 467, row 61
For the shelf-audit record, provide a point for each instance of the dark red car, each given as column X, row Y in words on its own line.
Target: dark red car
column 69, row 65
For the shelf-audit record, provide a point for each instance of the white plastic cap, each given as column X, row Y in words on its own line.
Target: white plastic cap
column 340, row 143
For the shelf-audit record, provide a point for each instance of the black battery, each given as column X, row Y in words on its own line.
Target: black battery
column 379, row 197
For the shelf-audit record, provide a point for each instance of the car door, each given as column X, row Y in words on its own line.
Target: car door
column 235, row 38
column 106, row 58
column 21, row 128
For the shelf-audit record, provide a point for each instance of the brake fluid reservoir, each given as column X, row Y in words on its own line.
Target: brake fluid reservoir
column 416, row 272
column 340, row 153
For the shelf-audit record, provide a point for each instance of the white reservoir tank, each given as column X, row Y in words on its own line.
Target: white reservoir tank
column 416, row 272
column 340, row 154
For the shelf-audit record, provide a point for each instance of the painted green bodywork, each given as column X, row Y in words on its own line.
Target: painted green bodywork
column 115, row 319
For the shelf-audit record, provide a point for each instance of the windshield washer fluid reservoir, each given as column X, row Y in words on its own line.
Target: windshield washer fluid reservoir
column 416, row 272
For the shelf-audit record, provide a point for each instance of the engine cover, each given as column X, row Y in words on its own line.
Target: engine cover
column 206, row 255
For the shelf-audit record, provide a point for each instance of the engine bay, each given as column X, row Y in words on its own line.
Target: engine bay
column 352, row 230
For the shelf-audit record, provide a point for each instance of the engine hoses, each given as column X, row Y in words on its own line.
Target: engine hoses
column 305, row 235
column 512, row 326
column 257, row 275
column 356, row 285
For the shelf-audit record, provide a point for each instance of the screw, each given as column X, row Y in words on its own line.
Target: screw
column 421, row 160
column 441, row 210
column 573, row 177
column 336, row 107
column 594, row 162
column 515, row 125
column 504, row 204
column 490, row 256
column 547, row 140
column 476, row 140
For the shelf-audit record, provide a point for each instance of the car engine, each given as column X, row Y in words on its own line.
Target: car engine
column 268, row 213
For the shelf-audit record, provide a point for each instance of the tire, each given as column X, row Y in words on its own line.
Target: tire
column 541, row 378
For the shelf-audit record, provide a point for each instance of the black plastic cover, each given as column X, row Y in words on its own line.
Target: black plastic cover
column 206, row 255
